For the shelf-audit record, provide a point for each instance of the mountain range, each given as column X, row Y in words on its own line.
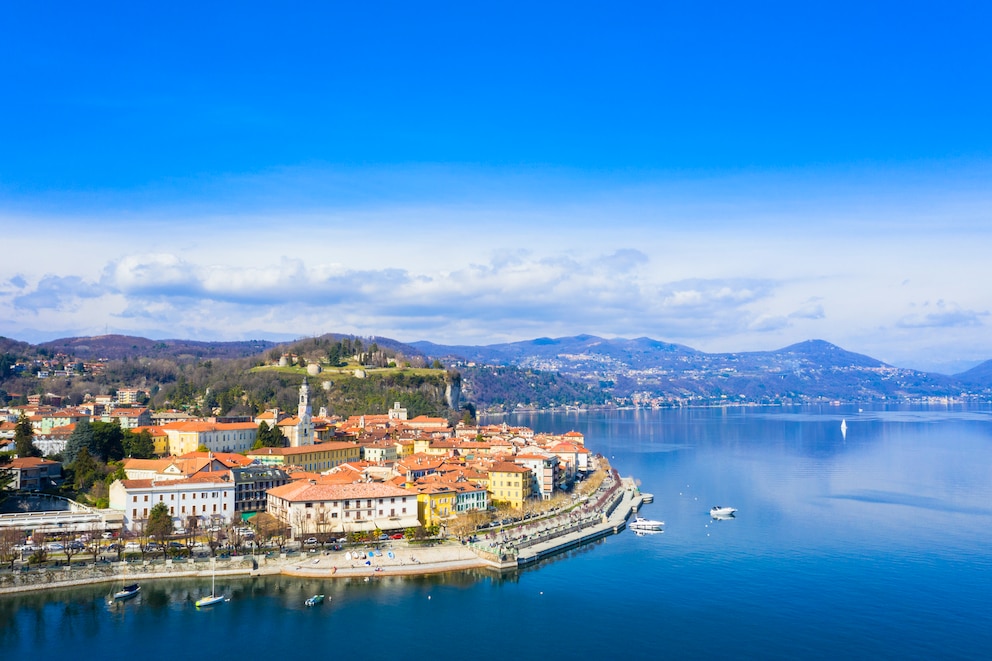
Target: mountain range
column 644, row 369
column 626, row 370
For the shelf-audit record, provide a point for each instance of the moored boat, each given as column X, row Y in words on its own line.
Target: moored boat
column 640, row 523
column 213, row 597
column 718, row 512
column 209, row 600
column 315, row 600
column 127, row 592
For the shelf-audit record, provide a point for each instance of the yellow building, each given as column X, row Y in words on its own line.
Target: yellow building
column 186, row 437
column 435, row 503
column 509, row 484
column 159, row 438
column 311, row 458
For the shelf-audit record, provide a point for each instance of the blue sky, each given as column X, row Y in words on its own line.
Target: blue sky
column 728, row 175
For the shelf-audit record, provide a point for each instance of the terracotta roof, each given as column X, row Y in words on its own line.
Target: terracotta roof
column 30, row 462
column 303, row 449
column 507, row 467
column 304, row 490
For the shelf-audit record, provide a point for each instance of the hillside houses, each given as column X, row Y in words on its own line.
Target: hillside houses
column 387, row 472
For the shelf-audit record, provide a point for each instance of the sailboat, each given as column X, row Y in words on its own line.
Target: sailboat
column 213, row 597
column 843, row 429
column 127, row 591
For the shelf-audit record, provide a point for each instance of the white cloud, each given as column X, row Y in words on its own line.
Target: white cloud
column 722, row 265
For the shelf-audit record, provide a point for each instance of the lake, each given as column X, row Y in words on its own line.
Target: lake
column 876, row 544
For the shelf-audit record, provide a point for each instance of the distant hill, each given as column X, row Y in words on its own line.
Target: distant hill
column 640, row 350
column 583, row 369
column 979, row 375
column 643, row 369
column 118, row 347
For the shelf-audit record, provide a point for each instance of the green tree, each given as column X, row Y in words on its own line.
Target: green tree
column 139, row 445
column 24, row 438
column 159, row 524
column 85, row 470
column 108, row 438
column 82, row 437
column 6, row 477
column 269, row 437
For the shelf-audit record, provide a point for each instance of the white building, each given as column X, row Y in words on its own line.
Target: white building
column 207, row 496
column 309, row 508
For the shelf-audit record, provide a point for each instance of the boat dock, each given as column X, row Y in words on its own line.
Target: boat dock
column 607, row 516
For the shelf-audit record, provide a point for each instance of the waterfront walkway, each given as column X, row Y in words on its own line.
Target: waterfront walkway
column 604, row 513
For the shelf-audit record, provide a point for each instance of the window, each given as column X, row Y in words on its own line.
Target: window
column 146, row 498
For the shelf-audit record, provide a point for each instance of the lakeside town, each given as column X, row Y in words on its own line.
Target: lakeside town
column 442, row 496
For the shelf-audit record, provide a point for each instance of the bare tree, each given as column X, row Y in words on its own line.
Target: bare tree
column 70, row 546
column 9, row 539
column 192, row 530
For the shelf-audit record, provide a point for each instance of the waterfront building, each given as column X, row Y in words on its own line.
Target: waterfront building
column 251, row 484
column 309, row 507
column 544, row 470
column 207, row 496
column 509, row 483
column 435, row 503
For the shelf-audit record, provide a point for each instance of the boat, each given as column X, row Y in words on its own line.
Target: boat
column 718, row 512
column 127, row 592
column 640, row 523
column 645, row 533
column 315, row 600
column 213, row 597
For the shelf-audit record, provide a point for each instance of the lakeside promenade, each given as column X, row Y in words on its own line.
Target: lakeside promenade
column 604, row 513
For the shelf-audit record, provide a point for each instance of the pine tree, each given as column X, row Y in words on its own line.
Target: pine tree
column 24, row 438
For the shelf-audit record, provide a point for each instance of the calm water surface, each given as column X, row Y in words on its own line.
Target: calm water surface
column 877, row 545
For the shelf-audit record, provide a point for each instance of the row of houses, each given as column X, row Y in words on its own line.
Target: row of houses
column 337, row 487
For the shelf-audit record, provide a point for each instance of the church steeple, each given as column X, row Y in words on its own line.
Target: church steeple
column 304, row 414
column 304, row 411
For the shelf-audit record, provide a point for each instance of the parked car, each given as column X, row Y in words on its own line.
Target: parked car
column 107, row 535
column 310, row 541
column 398, row 535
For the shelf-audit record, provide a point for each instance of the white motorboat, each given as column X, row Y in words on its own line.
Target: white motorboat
column 640, row 523
column 645, row 533
column 718, row 512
